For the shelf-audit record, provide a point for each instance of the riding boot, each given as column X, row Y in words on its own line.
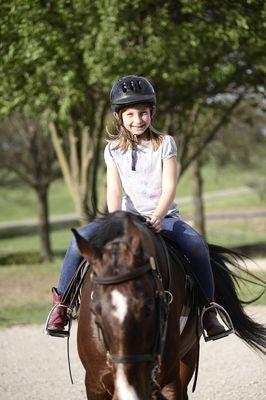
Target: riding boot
column 211, row 323
column 58, row 318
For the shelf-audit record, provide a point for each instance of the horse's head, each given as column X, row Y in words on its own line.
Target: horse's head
column 125, row 300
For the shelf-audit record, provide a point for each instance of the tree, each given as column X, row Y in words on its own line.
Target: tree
column 26, row 150
column 243, row 142
column 60, row 57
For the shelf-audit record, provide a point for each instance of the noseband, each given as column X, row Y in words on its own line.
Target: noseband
column 161, row 310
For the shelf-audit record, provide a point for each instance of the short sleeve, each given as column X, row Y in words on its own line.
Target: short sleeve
column 169, row 148
column 108, row 157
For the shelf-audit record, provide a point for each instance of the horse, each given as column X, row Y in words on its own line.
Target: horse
column 130, row 339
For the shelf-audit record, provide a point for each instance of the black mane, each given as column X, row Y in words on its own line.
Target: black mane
column 113, row 226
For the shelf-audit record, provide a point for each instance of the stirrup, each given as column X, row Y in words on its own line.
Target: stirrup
column 56, row 333
column 225, row 317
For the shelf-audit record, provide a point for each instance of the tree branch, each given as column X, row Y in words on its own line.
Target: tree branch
column 210, row 136
column 62, row 160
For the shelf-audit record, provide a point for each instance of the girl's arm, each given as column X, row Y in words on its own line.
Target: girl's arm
column 169, row 181
column 114, row 188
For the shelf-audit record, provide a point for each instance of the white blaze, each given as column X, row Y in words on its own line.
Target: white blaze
column 119, row 303
column 124, row 390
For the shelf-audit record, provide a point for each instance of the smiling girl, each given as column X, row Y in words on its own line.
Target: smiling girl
column 141, row 162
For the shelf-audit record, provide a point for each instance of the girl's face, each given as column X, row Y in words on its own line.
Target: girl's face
column 137, row 119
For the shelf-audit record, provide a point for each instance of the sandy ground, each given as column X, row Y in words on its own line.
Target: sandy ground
column 34, row 367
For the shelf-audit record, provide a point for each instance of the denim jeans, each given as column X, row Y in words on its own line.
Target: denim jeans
column 194, row 248
column 188, row 240
column 73, row 258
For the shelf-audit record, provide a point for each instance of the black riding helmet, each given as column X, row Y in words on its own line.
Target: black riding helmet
column 131, row 89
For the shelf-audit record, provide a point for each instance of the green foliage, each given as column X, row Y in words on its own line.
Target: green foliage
column 58, row 60
column 60, row 55
column 243, row 142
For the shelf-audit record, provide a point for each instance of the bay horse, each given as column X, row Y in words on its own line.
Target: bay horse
column 130, row 339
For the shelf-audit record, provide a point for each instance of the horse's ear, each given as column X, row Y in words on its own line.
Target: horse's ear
column 85, row 248
column 134, row 237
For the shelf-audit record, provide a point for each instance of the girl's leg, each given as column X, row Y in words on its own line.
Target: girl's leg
column 58, row 318
column 195, row 249
column 73, row 258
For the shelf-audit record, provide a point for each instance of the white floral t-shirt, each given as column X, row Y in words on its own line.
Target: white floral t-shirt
column 141, row 174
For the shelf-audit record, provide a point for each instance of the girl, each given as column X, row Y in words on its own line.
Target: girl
column 142, row 162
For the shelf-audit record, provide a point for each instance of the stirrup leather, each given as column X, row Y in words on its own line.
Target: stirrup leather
column 57, row 333
column 225, row 317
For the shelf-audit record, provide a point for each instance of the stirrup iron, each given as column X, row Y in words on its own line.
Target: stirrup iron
column 225, row 318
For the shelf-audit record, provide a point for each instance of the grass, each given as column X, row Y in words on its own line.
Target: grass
column 215, row 178
column 25, row 282
column 20, row 203
column 236, row 233
column 25, row 292
column 30, row 243
column 248, row 291
column 246, row 202
column 23, row 314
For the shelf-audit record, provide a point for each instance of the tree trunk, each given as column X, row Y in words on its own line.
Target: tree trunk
column 197, row 197
column 44, row 227
column 83, row 210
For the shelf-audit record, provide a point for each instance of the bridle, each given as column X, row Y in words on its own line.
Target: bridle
column 161, row 310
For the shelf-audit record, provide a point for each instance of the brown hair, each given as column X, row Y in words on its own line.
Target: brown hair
column 126, row 140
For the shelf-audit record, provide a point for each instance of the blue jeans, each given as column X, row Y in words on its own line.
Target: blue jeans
column 73, row 258
column 194, row 248
column 188, row 240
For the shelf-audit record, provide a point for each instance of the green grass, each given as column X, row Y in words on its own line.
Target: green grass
column 25, row 282
column 23, row 314
column 248, row 291
column 20, row 203
column 217, row 179
column 25, row 292
column 30, row 244
column 233, row 233
column 244, row 202
column 229, row 233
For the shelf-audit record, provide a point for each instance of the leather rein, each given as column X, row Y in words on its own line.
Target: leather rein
column 161, row 310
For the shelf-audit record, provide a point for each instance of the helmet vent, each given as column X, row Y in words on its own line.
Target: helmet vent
column 131, row 89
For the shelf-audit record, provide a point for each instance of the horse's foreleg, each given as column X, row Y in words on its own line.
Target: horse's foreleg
column 187, row 367
column 95, row 396
column 91, row 395
column 173, row 391
column 96, row 390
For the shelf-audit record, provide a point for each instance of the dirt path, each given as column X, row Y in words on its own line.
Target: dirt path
column 34, row 367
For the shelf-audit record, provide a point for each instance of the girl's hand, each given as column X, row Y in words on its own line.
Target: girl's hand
column 154, row 222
